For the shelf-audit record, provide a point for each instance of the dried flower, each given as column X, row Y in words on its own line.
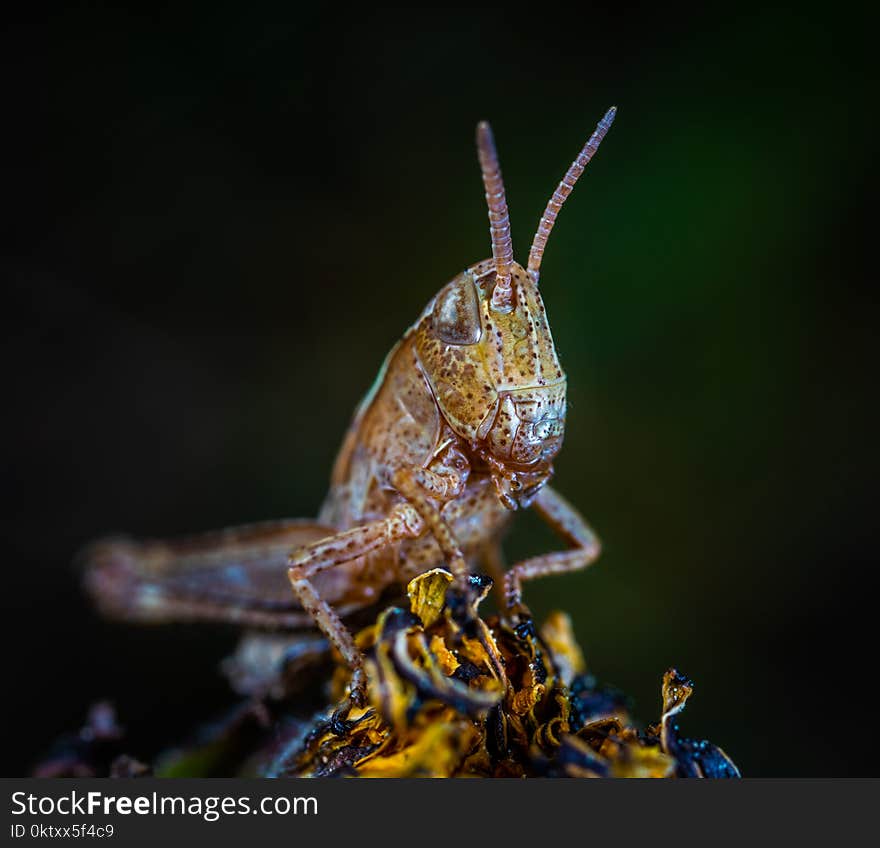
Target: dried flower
column 451, row 694
column 462, row 696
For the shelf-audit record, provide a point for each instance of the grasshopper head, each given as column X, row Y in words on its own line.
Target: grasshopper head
column 485, row 345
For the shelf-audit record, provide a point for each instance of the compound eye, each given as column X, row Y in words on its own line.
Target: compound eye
column 456, row 316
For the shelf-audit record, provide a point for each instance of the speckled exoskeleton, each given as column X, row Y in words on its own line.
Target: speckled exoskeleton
column 459, row 430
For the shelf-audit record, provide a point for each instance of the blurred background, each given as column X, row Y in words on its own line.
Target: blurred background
column 218, row 224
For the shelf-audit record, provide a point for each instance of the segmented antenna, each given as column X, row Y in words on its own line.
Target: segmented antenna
column 499, row 218
column 548, row 219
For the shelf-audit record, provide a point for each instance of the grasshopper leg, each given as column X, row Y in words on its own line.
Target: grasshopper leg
column 421, row 486
column 565, row 520
column 403, row 523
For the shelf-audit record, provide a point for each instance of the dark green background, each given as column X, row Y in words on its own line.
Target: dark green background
column 220, row 223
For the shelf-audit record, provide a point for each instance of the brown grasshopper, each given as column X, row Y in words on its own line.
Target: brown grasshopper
column 459, row 430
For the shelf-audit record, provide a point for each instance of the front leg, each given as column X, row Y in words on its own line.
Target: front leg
column 428, row 490
column 570, row 525
column 423, row 488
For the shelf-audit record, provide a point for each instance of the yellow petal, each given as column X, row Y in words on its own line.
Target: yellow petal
column 427, row 594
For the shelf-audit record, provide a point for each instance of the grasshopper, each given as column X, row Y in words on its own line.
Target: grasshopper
column 459, row 430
